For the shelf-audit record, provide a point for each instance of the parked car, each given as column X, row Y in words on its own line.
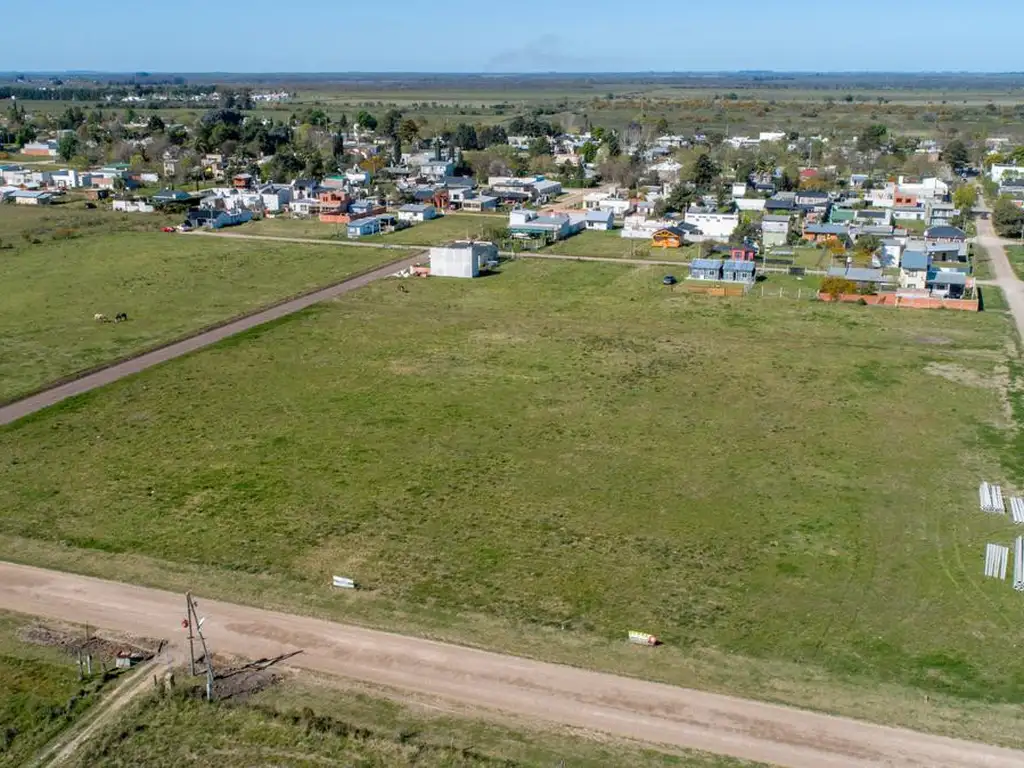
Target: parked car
column 168, row 229
column 669, row 280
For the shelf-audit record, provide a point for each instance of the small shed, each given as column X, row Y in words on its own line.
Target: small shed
column 601, row 219
column 416, row 212
column 706, row 269
column 668, row 237
column 369, row 225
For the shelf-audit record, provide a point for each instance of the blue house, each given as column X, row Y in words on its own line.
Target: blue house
column 706, row 269
column 738, row 271
column 363, row 227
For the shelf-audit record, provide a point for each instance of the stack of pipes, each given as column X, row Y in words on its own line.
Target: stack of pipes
column 996, row 557
column 1018, row 564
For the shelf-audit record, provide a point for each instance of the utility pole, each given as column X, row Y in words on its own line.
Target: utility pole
column 195, row 621
column 191, row 637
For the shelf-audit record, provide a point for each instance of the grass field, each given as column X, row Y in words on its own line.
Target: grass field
column 41, row 693
column 981, row 263
column 436, row 232
column 168, row 285
column 1015, row 253
column 541, row 460
column 301, row 723
column 613, row 245
column 993, row 299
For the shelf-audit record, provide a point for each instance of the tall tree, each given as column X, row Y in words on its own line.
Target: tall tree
column 1007, row 218
column 366, row 121
column 956, row 155
column 705, row 171
column 67, row 146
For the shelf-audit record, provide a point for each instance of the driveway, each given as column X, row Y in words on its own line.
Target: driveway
column 1005, row 278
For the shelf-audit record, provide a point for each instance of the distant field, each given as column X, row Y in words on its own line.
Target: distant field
column 612, row 244
column 435, row 232
column 168, row 284
column 538, row 461
column 299, row 723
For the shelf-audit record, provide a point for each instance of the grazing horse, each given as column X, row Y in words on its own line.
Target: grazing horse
column 100, row 318
column 120, row 316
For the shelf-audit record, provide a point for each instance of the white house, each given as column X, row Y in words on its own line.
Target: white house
column 714, row 226
column 132, row 206
column 462, row 258
column 771, row 136
column 739, row 189
column 67, row 178
column 642, row 228
column 592, row 200
column 617, row 205
column 416, row 212
column 601, row 220
column 25, row 197
column 914, row 270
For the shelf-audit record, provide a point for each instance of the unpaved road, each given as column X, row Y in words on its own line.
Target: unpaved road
column 115, row 371
column 650, row 712
column 1006, row 279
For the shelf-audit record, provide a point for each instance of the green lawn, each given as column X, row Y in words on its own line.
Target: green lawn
column 539, row 461
column 613, row 245
column 168, row 284
column 301, row 723
column 41, row 693
column 993, row 299
column 1015, row 253
column 457, row 226
column 981, row 263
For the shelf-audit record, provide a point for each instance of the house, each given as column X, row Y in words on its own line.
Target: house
column 947, row 283
column 669, row 237
column 242, row 181
column 738, row 271
column 706, row 269
column 40, row 149
column 819, row 233
column 812, row 200
column 603, row 220
column 27, row 197
column 948, row 252
column 774, row 230
column 712, row 225
column 617, row 205
column 946, row 235
column 207, row 217
column 942, row 213
column 739, row 189
column 780, row 204
column 368, row 225
column 862, row 276
column 132, row 206
column 592, row 200
column 914, row 270
column 479, row 203
column 871, row 217
column 165, row 196
column 416, row 212
column 437, row 169
column 462, row 258
column 909, row 212
column 66, row 178
column 892, row 250
column 555, row 227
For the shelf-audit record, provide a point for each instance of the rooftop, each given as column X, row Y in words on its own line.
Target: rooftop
column 857, row 274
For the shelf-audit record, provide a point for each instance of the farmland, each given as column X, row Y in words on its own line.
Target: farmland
column 297, row 721
column 784, row 491
column 69, row 266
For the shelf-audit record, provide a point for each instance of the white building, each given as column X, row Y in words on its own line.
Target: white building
column 132, row 206
column 416, row 212
column 774, row 230
column 739, row 189
column 771, row 136
column 462, row 258
column 603, row 220
column 714, row 226
column 998, row 172
column 67, row 178
column 24, row 197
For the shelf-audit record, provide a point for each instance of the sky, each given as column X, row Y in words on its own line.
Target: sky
column 520, row 36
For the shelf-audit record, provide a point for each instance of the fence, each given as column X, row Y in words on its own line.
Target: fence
column 718, row 289
column 913, row 302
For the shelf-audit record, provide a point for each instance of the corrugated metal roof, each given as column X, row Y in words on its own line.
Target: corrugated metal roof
column 706, row 264
column 947, row 277
column 943, row 231
column 914, row 260
column 857, row 274
column 739, row 266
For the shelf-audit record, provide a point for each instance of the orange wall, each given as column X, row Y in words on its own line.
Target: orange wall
column 914, row 302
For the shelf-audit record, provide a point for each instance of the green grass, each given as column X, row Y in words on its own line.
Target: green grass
column 41, row 693
column 300, row 723
column 539, row 461
column 811, row 258
column 981, row 263
column 1015, row 253
column 993, row 299
column 458, row 226
column 613, row 245
column 168, row 284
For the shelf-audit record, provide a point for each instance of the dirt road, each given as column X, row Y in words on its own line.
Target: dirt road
column 1006, row 278
column 115, row 371
column 650, row 712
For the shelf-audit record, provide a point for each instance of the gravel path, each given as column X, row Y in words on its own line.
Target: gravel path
column 625, row 707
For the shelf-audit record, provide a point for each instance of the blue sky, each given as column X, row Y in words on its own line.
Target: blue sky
column 521, row 36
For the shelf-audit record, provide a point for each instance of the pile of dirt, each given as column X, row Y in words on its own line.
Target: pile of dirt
column 99, row 643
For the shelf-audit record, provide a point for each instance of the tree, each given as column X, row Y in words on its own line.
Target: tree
column 26, row 134
column 965, row 197
column 1007, row 218
column 67, row 146
column 119, row 185
column 837, row 286
column 316, row 117
column 366, row 121
column 956, row 155
column 588, row 151
column 156, row 124
column 465, row 137
column 338, row 148
column 868, row 244
column 539, row 146
column 872, row 137
column 408, row 131
column 705, row 171
column 747, row 229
